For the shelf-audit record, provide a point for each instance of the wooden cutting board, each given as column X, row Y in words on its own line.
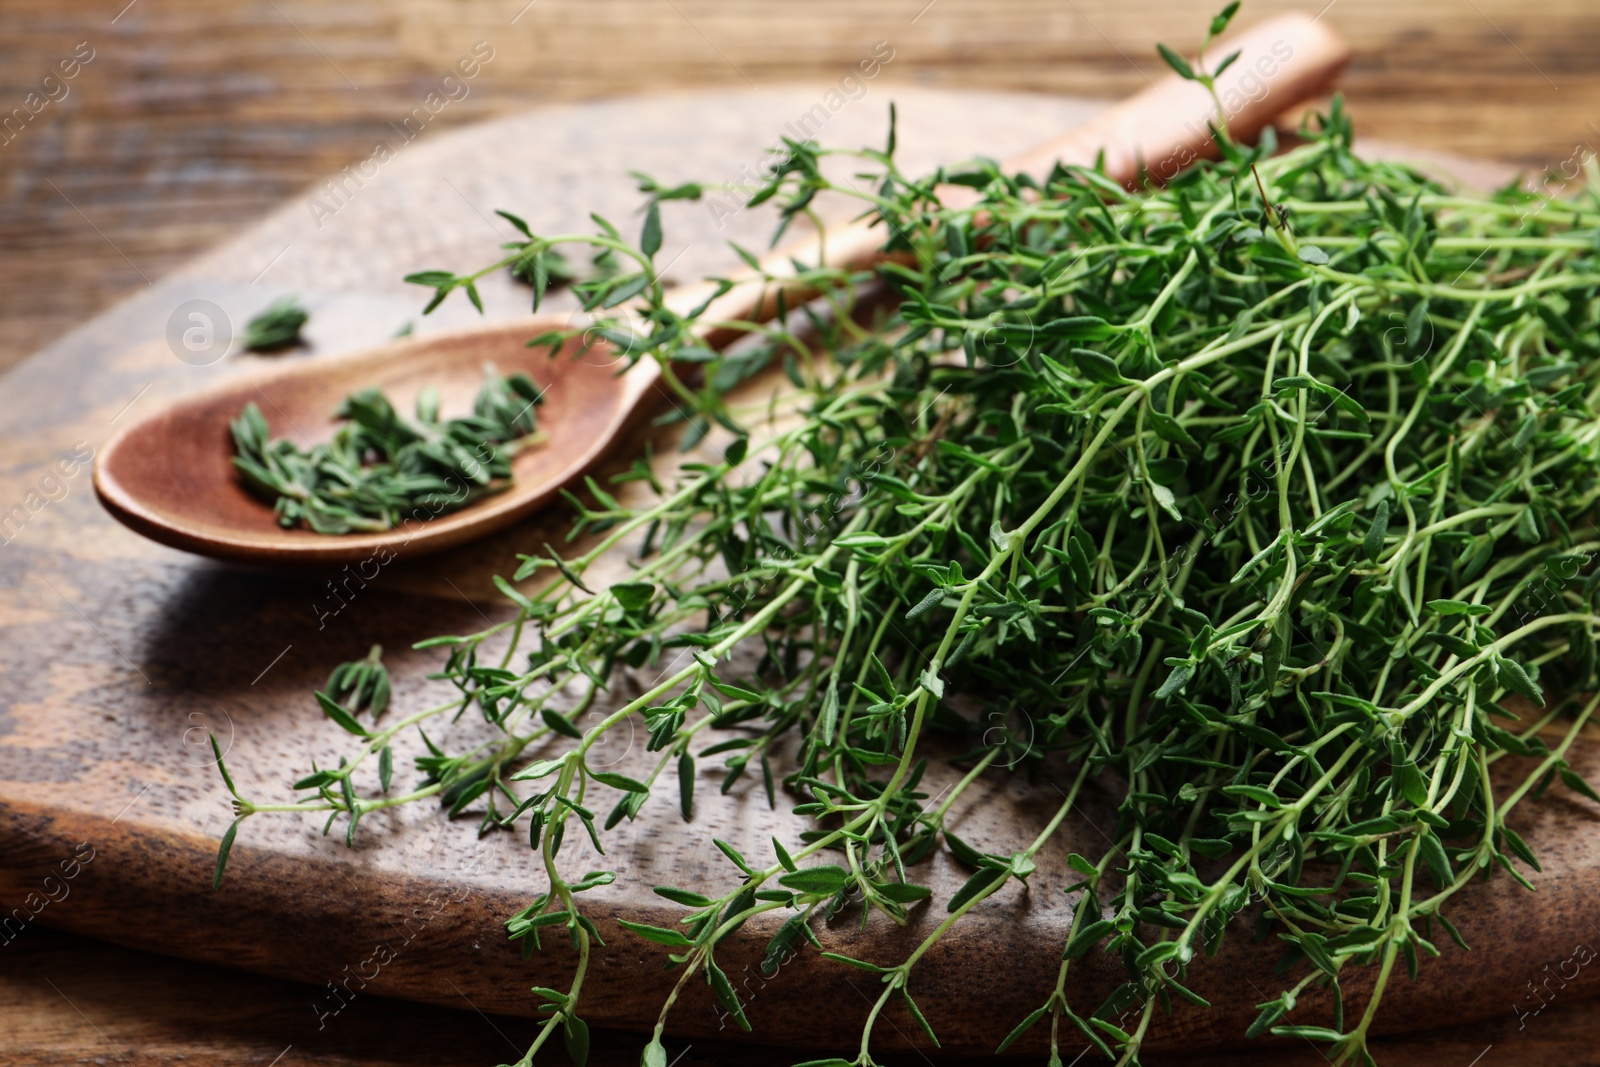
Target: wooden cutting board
column 118, row 656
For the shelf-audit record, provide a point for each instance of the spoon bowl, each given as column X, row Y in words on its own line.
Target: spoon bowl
column 171, row 476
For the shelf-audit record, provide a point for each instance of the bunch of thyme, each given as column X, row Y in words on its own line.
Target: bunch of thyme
column 1245, row 516
column 380, row 466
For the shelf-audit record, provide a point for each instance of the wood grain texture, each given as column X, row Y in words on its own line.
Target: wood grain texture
column 67, row 1000
column 197, row 116
column 118, row 656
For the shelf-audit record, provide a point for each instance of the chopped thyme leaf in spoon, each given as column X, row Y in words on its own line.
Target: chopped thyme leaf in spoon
column 381, row 466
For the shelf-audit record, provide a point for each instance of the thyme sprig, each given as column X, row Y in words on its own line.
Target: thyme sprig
column 1284, row 536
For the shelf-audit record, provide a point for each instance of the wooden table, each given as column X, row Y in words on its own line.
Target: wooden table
column 194, row 117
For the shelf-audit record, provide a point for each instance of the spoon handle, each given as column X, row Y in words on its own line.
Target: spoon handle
column 1283, row 63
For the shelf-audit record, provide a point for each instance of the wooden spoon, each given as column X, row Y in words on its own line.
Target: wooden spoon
column 170, row 477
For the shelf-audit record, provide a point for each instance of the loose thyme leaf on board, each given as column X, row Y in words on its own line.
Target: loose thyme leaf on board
column 1279, row 533
column 277, row 327
column 381, row 468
